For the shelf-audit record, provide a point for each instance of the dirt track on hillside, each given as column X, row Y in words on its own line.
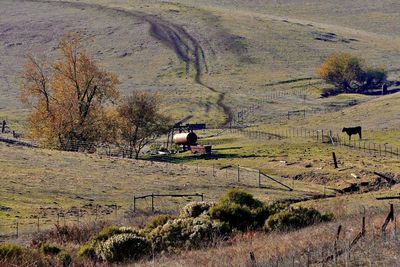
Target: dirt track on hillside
column 186, row 47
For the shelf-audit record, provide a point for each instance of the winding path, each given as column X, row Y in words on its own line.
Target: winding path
column 186, row 47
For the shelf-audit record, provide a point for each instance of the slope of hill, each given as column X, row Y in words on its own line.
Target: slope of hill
column 241, row 47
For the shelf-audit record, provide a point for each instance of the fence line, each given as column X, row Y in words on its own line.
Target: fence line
column 152, row 196
column 323, row 136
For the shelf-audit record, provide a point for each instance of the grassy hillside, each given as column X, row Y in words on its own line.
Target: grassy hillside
column 379, row 117
column 245, row 46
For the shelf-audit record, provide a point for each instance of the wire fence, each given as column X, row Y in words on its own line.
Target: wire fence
column 244, row 113
column 324, row 136
column 51, row 216
column 225, row 177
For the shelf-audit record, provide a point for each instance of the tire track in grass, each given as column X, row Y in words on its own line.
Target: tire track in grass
column 186, row 47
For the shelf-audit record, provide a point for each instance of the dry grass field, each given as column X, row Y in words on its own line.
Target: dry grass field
column 37, row 182
column 246, row 46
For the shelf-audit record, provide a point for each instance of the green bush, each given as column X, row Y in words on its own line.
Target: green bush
column 242, row 211
column 259, row 215
column 185, row 233
column 241, row 198
column 237, row 216
column 87, row 251
column 64, row 258
column 196, row 208
column 49, row 249
column 295, row 218
column 10, row 251
column 158, row 221
column 91, row 248
column 111, row 231
column 123, row 247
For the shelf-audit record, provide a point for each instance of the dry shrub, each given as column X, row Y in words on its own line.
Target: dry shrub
column 15, row 255
column 62, row 234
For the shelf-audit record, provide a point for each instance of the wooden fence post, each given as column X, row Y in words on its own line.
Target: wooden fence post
column 134, row 205
column 259, row 179
column 334, row 160
column 238, row 173
column 389, row 218
column 152, row 202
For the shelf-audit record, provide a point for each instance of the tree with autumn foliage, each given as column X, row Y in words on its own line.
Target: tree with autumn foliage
column 69, row 97
column 141, row 121
column 349, row 73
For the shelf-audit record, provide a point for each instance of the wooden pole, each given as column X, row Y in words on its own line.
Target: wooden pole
column 259, row 178
column 134, row 204
column 334, row 160
column 238, row 173
column 152, row 202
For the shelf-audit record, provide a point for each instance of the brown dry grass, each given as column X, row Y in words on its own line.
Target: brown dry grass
column 304, row 247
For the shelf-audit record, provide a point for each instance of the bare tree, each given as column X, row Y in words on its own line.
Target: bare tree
column 141, row 121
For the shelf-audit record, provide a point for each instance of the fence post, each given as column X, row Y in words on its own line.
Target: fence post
column 238, row 173
column 152, row 202
column 38, row 227
column 17, row 224
column 334, row 160
column 134, row 205
column 259, row 179
column 202, row 196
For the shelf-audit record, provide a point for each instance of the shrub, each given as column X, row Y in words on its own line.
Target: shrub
column 237, row 216
column 261, row 214
column 87, row 251
column 90, row 248
column 65, row 258
column 10, row 251
column 185, row 233
column 49, row 249
column 158, row 221
column 67, row 234
column 122, row 247
column 295, row 218
column 111, row 231
column 14, row 255
column 241, row 198
column 195, row 209
column 349, row 73
column 241, row 210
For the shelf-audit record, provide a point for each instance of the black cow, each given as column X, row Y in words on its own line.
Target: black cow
column 352, row 130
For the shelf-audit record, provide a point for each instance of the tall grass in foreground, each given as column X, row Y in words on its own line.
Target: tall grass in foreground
column 311, row 246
